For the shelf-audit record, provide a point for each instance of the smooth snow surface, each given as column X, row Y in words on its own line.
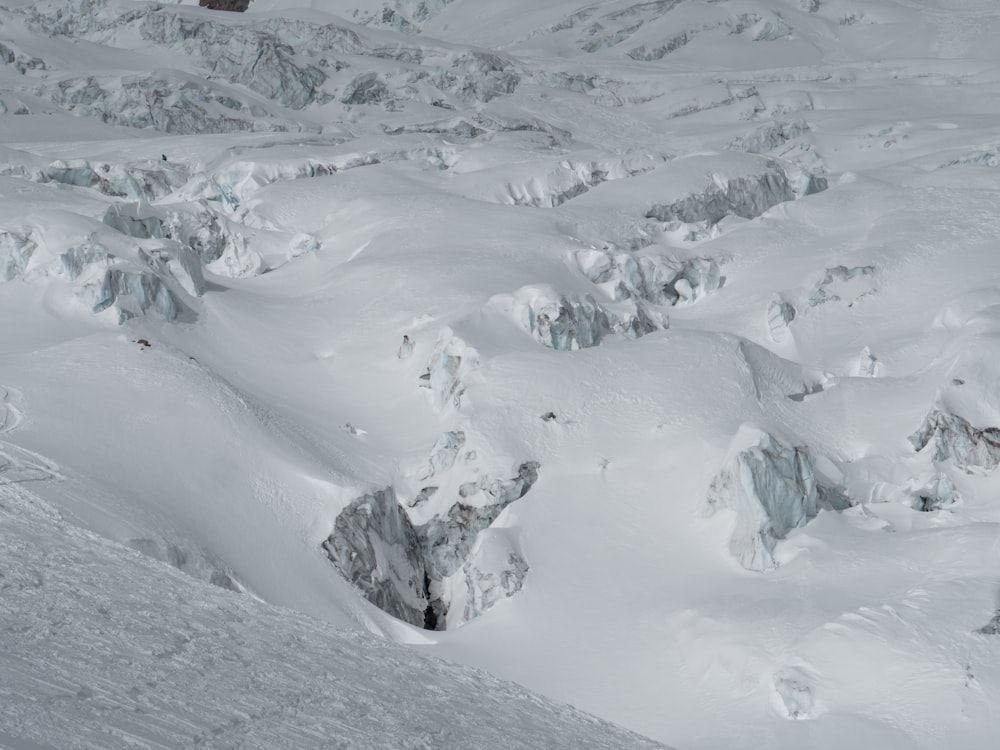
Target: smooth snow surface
column 644, row 354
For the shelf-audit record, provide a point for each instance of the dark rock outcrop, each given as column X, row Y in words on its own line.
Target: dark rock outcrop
column 234, row 5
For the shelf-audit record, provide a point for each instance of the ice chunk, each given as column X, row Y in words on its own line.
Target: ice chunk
column 772, row 489
column 16, row 249
column 780, row 314
column 254, row 57
column 769, row 137
column 868, row 365
column 956, row 440
column 445, row 452
column 494, row 571
column 404, row 569
column 449, row 538
column 747, row 197
column 377, row 549
column 938, row 493
column 451, row 360
column 992, row 627
column 843, row 283
column 566, row 322
column 212, row 238
column 794, row 694
column 658, row 279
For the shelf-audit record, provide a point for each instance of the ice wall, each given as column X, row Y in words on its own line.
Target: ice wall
column 955, row 439
column 442, row 572
column 771, row 488
column 747, row 196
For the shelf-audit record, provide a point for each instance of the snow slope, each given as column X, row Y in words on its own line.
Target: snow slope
column 644, row 352
column 106, row 648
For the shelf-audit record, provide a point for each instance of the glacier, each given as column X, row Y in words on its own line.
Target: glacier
column 641, row 354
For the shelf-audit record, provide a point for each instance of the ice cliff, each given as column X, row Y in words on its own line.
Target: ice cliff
column 746, row 196
column 439, row 573
column 955, row 439
column 771, row 488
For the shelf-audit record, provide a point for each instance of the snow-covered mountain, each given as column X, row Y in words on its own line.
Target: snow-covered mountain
column 642, row 354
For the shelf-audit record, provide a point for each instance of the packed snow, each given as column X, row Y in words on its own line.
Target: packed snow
column 366, row 360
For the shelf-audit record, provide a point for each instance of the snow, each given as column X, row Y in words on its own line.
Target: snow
column 643, row 354
column 104, row 647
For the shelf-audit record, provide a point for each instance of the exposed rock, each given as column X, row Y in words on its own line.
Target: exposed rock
column 956, row 440
column 234, row 5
